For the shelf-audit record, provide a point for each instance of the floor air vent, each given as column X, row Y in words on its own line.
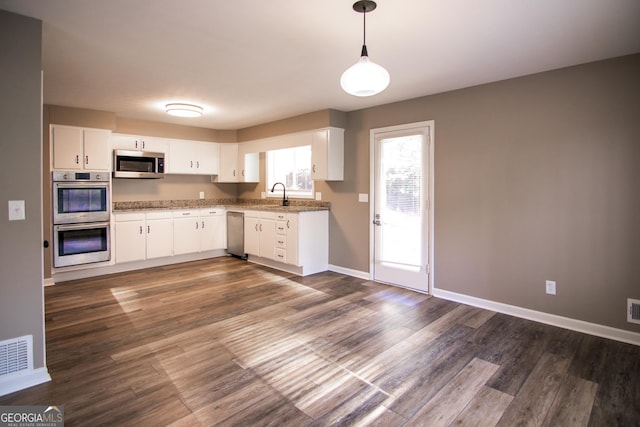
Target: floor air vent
column 633, row 310
column 16, row 355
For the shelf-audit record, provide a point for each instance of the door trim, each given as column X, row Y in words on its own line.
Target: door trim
column 430, row 124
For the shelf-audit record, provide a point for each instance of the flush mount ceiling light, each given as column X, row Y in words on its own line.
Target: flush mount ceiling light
column 183, row 110
column 365, row 78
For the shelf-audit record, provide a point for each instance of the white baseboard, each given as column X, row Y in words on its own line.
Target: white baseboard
column 63, row 275
column 49, row 281
column 349, row 272
column 539, row 316
column 24, row 380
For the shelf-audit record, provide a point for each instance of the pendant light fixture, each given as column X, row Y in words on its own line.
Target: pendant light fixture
column 365, row 78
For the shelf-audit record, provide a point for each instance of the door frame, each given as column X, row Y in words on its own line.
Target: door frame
column 430, row 125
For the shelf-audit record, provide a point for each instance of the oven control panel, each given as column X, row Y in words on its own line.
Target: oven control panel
column 62, row 176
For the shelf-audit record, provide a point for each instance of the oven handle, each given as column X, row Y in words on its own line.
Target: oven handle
column 76, row 184
column 81, row 226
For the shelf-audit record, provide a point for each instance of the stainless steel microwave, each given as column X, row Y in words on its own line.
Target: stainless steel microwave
column 137, row 164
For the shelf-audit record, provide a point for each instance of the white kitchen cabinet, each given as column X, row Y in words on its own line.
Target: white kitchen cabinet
column 228, row 171
column 250, row 171
column 251, row 234
column 139, row 143
column 74, row 148
column 207, row 158
column 130, row 237
column 299, row 242
column 159, row 230
column 193, row 157
column 286, row 238
column 140, row 235
column 237, row 166
column 327, row 155
column 213, row 222
column 186, row 231
column 259, row 234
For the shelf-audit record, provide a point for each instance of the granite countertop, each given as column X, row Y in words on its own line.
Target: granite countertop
column 229, row 204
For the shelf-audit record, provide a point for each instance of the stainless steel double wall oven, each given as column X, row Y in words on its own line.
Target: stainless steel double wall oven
column 81, row 218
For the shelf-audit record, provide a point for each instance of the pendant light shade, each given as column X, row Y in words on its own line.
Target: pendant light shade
column 364, row 78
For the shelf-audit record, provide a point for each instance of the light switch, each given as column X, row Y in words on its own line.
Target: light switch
column 318, row 195
column 202, row 194
column 16, row 210
column 363, row 197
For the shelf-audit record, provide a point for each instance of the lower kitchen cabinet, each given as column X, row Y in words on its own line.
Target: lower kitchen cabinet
column 140, row 236
column 156, row 234
column 213, row 229
column 186, row 231
column 299, row 240
column 259, row 234
column 159, row 228
column 130, row 238
column 197, row 230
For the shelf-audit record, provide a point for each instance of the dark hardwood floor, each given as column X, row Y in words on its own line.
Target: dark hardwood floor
column 226, row 342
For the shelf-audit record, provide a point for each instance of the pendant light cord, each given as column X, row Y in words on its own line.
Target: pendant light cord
column 364, row 31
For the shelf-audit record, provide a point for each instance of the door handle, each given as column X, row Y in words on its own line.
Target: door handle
column 377, row 222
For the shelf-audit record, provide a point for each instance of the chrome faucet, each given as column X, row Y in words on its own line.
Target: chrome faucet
column 285, row 201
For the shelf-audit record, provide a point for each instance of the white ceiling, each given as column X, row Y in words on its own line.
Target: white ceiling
column 251, row 62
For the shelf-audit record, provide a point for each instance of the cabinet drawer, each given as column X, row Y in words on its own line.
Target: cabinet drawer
column 267, row 215
column 280, row 216
column 281, row 227
column 129, row 216
column 160, row 215
column 281, row 255
column 218, row 211
column 186, row 213
column 281, row 242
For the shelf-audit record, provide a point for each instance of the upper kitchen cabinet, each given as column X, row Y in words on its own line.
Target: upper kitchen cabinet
column 139, row 143
column 327, row 155
column 193, row 157
column 237, row 166
column 74, row 148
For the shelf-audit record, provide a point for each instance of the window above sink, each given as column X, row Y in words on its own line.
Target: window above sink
column 291, row 166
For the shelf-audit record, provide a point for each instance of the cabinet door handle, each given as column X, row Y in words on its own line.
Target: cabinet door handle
column 191, row 164
column 256, row 227
column 197, row 225
column 234, row 172
column 77, row 159
column 140, row 229
column 197, row 164
column 242, row 172
column 148, row 229
column 313, row 168
column 203, row 225
column 86, row 161
column 260, row 227
column 143, row 144
column 136, row 143
column 288, row 226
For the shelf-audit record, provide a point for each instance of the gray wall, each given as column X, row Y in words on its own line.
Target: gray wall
column 21, row 285
column 535, row 178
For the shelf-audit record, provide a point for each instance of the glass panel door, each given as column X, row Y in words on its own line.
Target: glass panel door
column 400, row 208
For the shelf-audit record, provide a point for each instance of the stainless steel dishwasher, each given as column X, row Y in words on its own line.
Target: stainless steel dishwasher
column 235, row 234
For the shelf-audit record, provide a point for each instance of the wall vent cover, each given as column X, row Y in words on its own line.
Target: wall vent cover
column 16, row 355
column 633, row 310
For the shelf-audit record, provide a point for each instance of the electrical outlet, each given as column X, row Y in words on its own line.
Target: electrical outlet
column 202, row 194
column 551, row 287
